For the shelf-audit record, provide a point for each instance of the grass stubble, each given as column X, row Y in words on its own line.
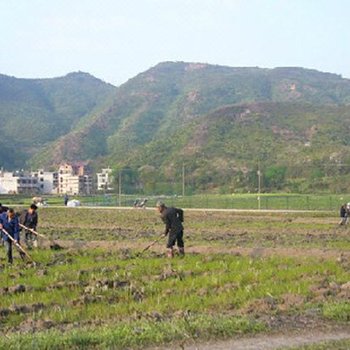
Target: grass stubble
column 100, row 298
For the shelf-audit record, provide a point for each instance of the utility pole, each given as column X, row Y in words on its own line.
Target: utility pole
column 120, row 188
column 87, row 185
column 183, row 179
column 259, row 185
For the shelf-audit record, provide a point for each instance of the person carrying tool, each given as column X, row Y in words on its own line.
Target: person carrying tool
column 9, row 222
column 173, row 219
column 29, row 219
column 3, row 209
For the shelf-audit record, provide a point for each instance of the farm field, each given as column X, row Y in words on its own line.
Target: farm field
column 268, row 201
column 245, row 275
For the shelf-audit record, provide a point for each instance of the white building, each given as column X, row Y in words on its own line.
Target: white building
column 71, row 179
column 48, row 181
column 74, row 179
column 18, row 182
column 104, row 180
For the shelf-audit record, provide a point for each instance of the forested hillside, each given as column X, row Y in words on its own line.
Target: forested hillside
column 221, row 122
column 36, row 112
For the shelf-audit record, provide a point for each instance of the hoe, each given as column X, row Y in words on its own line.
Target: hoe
column 151, row 245
column 53, row 245
column 19, row 247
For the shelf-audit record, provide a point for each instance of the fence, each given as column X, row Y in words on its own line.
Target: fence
column 241, row 201
column 267, row 202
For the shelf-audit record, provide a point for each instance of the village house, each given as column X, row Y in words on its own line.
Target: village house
column 74, row 178
column 48, row 181
column 18, row 182
column 71, row 178
column 104, row 180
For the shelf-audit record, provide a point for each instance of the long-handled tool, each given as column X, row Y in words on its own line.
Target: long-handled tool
column 53, row 244
column 152, row 244
column 33, row 231
column 19, row 247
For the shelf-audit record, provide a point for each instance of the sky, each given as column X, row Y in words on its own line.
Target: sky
column 114, row 40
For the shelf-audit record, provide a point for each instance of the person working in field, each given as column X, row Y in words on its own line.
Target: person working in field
column 343, row 215
column 29, row 219
column 9, row 222
column 3, row 209
column 173, row 219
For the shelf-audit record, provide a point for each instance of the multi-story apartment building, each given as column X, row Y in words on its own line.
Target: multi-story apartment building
column 74, row 178
column 71, row 178
column 18, row 182
column 25, row 182
column 48, row 181
column 104, row 180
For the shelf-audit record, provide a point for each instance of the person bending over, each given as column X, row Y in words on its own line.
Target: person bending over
column 173, row 219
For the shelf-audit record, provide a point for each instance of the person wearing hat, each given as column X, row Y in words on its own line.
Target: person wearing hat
column 29, row 218
column 173, row 219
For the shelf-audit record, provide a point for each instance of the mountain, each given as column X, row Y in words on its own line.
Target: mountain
column 225, row 147
column 35, row 112
column 221, row 122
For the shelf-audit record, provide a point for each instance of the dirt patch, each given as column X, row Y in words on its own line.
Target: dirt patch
column 32, row 326
column 257, row 252
column 272, row 342
column 21, row 309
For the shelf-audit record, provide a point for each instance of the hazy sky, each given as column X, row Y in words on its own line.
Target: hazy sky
column 116, row 39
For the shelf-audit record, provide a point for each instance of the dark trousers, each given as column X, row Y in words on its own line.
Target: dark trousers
column 8, row 248
column 176, row 237
column 30, row 239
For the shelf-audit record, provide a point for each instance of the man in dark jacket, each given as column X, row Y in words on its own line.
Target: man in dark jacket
column 343, row 215
column 66, row 199
column 3, row 209
column 9, row 222
column 173, row 219
column 29, row 218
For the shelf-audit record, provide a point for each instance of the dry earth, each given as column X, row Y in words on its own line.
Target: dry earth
column 273, row 342
column 208, row 249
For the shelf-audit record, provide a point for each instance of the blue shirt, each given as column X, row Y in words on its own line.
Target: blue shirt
column 11, row 227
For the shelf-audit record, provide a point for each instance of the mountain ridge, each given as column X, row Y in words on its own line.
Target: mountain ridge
column 34, row 112
column 174, row 103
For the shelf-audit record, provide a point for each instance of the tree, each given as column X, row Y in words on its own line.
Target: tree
column 148, row 177
column 274, row 176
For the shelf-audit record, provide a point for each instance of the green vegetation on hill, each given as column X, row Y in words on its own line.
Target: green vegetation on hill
column 221, row 122
column 35, row 112
column 291, row 142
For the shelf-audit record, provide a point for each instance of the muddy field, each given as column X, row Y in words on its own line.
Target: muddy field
column 245, row 275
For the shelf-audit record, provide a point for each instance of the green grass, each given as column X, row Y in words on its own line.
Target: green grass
column 339, row 310
column 155, row 301
column 217, row 229
column 198, row 297
column 279, row 201
column 137, row 334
